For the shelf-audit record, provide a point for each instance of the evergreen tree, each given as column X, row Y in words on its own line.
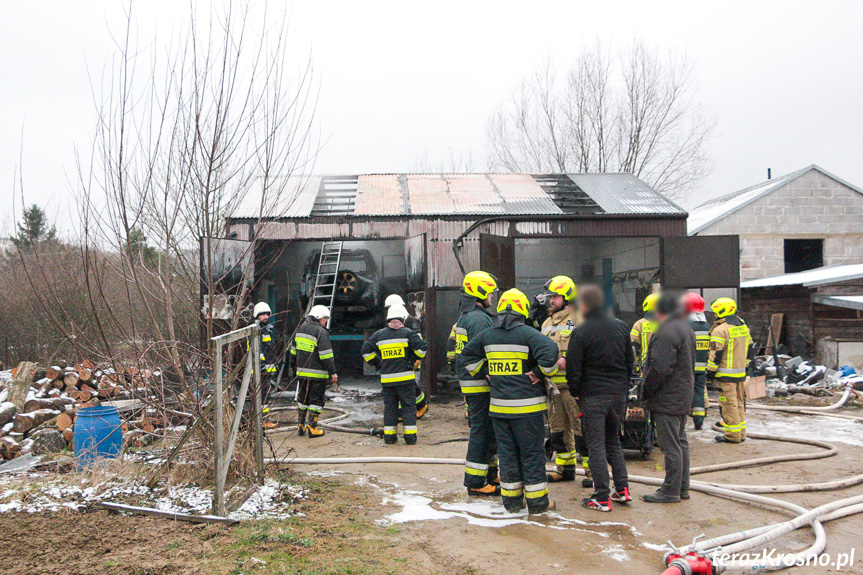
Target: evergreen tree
column 34, row 228
column 139, row 250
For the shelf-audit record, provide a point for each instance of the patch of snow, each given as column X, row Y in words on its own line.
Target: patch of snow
column 6, row 375
column 654, row 547
column 616, row 552
column 820, row 427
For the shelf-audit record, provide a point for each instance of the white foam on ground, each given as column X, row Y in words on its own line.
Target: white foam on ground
column 820, row 427
column 616, row 552
column 654, row 547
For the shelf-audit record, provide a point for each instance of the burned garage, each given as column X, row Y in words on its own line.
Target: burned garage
column 417, row 234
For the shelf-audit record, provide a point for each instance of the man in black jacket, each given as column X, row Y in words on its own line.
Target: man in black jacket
column 669, row 382
column 599, row 363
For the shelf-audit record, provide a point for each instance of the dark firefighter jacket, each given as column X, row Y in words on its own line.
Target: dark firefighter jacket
column 701, row 327
column 669, row 370
column 729, row 349
column 469, row 325
column 508, row 351
column 312, row 352
column 268, row 349
column 393, row 351
column 599, row 359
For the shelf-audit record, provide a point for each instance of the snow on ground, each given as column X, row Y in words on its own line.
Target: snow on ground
column 35, row 494
column 616, row 552
column 5, row 375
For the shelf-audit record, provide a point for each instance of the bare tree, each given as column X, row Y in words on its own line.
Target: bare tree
column 634, row 114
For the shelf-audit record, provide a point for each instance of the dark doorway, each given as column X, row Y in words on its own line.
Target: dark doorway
column 802, row 255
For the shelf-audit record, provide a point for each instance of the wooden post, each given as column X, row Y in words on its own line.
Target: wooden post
column 219, row 492
column 255, row 359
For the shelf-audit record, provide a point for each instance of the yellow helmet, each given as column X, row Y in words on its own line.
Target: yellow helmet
column 724, row 306
column 479, row 284
column 514, row 300
column 562, row 285
column 649, row 305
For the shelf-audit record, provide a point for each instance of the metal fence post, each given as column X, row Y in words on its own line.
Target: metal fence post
column 218, row 447
column 258, row 407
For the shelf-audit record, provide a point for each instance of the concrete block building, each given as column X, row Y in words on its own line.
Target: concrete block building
column 801, row 221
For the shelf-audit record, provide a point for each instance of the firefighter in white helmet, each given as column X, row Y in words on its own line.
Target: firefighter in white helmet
column 314, row 366
column 411, row 323
column 262, row 313
column 393, row 350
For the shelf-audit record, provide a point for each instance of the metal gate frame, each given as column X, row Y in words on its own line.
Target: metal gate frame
column 224, row 453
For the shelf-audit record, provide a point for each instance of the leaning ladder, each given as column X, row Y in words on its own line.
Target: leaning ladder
column 325, row 281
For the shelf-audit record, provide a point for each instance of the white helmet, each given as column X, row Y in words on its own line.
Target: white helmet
column 397, row 312
column 319, row 312
column 261, row 307
column 393, row 299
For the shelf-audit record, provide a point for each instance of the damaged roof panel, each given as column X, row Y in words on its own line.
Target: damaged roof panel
column 458, row 194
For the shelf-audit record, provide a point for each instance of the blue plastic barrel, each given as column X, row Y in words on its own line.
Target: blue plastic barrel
column 98, row 433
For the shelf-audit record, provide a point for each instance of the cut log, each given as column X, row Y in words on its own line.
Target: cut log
column 68, row 435
column 65, row 421
column 81, row 396
column 71, row 378
column 25, row 422
column 54, row 372
column 38, row 374
column 20, row 384
column 59, row 384
column 84, row 374
column 88, row 364
column 85, row 387
column 7, row 412
column 9, row 448
column 58, row 403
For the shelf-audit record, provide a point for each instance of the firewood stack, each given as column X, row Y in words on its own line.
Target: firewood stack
column 55, row 395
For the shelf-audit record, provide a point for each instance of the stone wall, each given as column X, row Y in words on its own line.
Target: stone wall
column 811, row 206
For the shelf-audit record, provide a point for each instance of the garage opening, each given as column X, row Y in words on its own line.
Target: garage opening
column 626, row 267
column 802, row 255
column 368, row 272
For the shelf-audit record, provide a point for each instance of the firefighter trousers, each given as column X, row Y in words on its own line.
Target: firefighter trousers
column 400, row 400
column 480, row 463
column 311, row 396
column 732, row 406
column 522, row 462
column 699, row 400
column 564, row 426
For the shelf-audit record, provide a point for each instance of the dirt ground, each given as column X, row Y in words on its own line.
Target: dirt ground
column 394, row 518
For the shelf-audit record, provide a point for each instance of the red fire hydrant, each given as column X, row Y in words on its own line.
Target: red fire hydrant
column 690, row 564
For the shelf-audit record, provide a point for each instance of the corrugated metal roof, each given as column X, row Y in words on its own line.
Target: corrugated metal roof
column 291, row 197
column 624, row 194
column 810, row 278
column 460, row 194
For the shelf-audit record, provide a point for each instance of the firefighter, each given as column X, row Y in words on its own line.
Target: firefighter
column 411, row 323
column 393, row 350
column 727, row 363
column 262, row 314
column 694, row 306
column 516, row 358
column 314, row 366
column 564, row 425
column 643, row 330
column 481, row 470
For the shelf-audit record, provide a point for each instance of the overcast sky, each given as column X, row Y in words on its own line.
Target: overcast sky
column 402, row 81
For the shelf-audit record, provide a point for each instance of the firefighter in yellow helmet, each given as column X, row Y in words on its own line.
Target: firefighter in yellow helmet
column 729, row 357
column 564, row 425
column 643, row 330
column 481, row 469
column 516, row 357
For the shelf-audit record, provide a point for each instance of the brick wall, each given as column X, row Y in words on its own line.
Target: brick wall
column 811, row 206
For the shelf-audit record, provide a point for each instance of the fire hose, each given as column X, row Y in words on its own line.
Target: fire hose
column 707, row 557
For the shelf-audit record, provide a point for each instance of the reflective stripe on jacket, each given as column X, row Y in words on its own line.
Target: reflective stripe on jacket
column 558, row 327
column 640, row 335
column 469, row 325
column 394, row 352
column 701, row 327
column 729, row 349
column 508, row 355
column 312, row 352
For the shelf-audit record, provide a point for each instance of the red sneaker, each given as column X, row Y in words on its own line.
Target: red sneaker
column 592, row 503
column 621, row 496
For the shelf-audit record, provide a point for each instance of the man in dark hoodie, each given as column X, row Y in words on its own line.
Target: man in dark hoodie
column 517, row 358
column 599, row 362
column 393, row 350
column 669, row 382
column 481, row 469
